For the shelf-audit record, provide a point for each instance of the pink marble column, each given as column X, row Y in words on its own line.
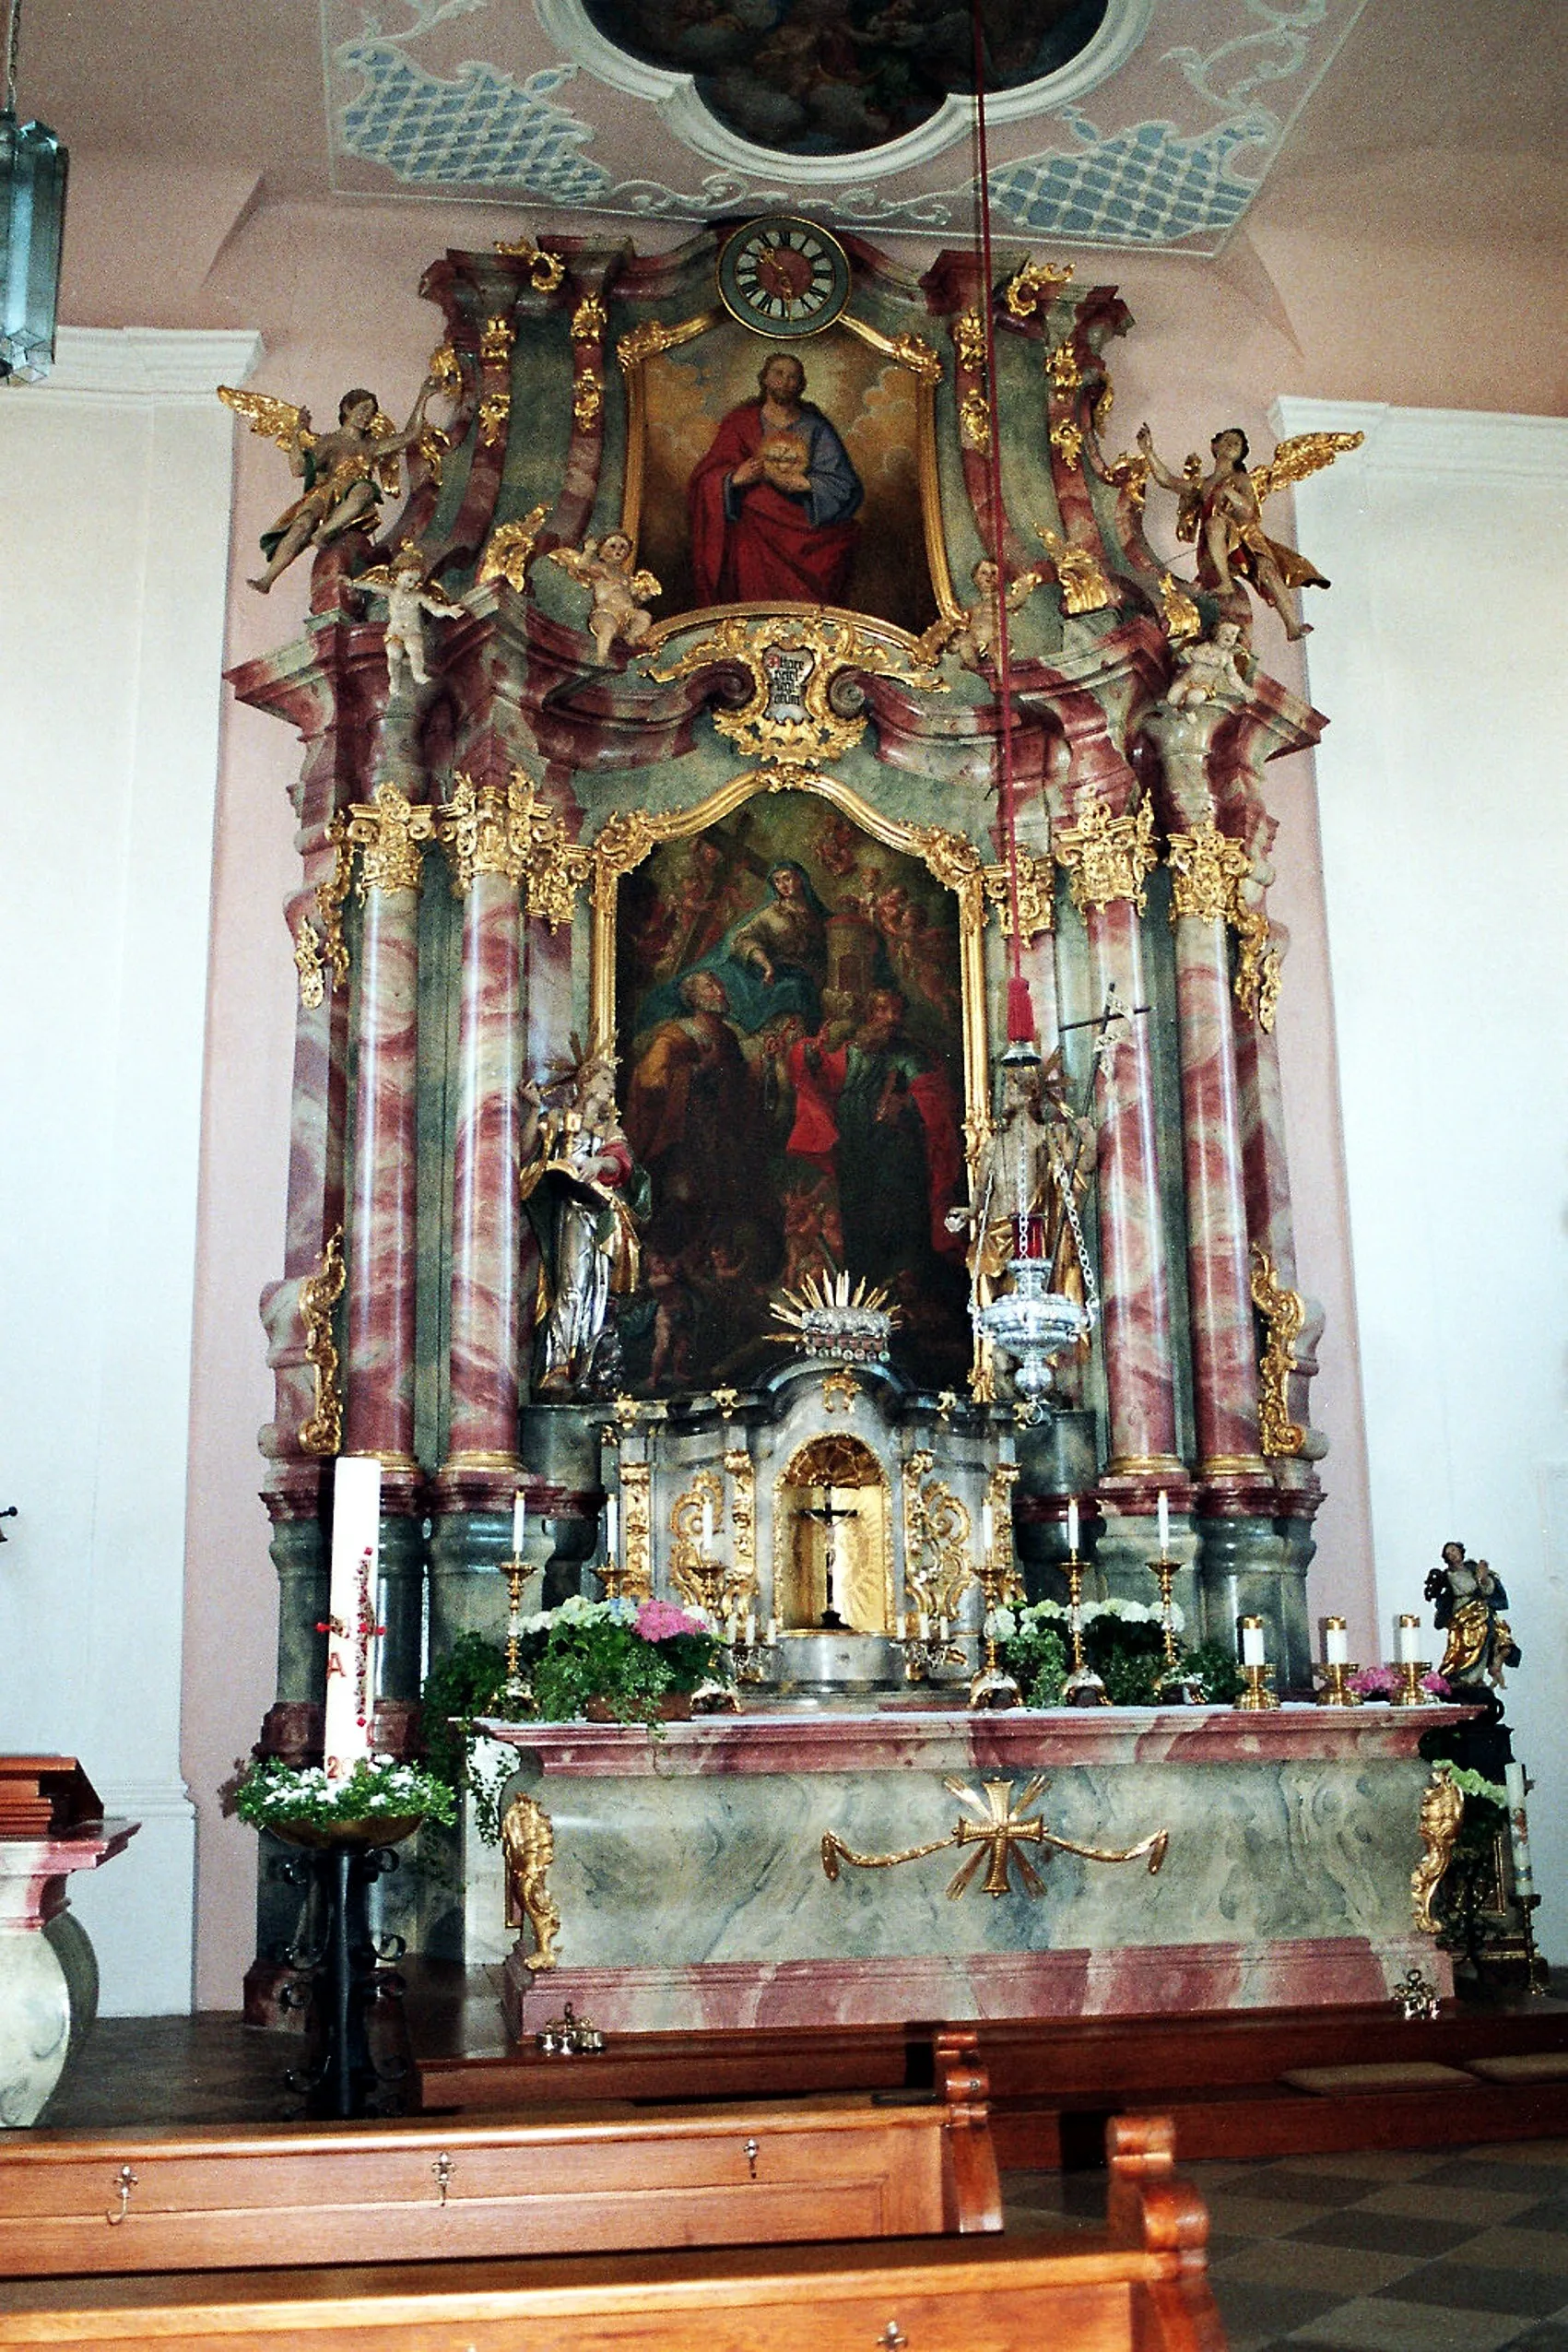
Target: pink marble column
column 481, row 1464
column 381, row 1248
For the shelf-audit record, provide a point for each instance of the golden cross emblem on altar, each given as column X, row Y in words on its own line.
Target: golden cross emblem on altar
column 999, row 1830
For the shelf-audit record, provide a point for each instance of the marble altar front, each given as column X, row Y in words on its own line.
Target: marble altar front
column 706, row 1875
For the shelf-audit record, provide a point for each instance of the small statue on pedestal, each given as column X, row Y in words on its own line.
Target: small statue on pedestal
column 345, row 473
column 974, row 633
column 1223, row 512
column 1208, row 669
column 620, row 591
column 1468, row 1604
column 408, row 596
column 586, row 1197
column 1030, row 1173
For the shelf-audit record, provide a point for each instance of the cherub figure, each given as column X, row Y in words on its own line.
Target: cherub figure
column 345, row 473
column 408, row 595
column 974, row 633
column 1223, row 512
column 1207, row 668
column 620, row 591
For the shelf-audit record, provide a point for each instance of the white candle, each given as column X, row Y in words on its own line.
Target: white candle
column 1518, row 1831
column 750, row 1628
column 612, row 1530
column 1164, row 1524
column 1407, row 1639
column 900, row 1626
column 1072, row 1526
column 1336, row 1642
column 923, row 1625
column 1252, row 1641
column 772, row 1629
column 351, row 1608
column 519, row 1523
column 988, row 1527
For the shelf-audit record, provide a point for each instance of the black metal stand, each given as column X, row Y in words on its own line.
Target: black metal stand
column 347, row 1976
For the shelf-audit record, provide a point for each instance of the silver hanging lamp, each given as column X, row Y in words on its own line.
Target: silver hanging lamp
column 34, row 166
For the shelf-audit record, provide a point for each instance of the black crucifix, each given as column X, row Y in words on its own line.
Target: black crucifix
column 829, row 1514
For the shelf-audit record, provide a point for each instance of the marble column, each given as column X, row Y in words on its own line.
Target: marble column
column 1207, row 868
column 481, row 1469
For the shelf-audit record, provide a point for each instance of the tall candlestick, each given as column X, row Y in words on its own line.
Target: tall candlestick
column 1164, row 1508
column 1072, row 1526
column 352, row 1628
column 519, row 1523
column 1407, row 1639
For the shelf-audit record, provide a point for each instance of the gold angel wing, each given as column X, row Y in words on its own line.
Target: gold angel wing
column 386, row 468
column 643, row 586
column 1303, row 454
column 273, row 419
column 377, row 577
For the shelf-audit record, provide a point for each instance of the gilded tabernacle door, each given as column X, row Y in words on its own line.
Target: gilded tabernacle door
column 793, row 997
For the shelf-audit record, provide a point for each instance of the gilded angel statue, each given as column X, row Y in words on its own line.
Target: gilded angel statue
column 619, row 591
column 409, row 596
column 1223, row 512
column 345, row 473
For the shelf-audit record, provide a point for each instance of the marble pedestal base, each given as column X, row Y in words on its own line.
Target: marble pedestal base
column 47, row 1974
column 689, row 1874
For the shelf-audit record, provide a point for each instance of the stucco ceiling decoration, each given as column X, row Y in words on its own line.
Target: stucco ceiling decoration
column 1154, row 127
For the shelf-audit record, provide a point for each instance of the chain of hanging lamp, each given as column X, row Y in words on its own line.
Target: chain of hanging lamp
column 1021, row 1011
column 12, row 34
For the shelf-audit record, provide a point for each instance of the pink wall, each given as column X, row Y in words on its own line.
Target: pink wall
column 333, row 290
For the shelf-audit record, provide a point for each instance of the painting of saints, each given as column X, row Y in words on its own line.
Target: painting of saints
column 768, row 963
column 772, row 503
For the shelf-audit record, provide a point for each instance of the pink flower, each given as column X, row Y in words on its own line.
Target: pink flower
column 1373, row 1682
column 661, row 1621
column 1436, row 1685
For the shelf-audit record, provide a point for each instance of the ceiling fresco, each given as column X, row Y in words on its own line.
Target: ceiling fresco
column 1133, row 122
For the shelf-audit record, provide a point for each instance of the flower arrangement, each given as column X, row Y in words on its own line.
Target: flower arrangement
column 271, row 1795
column 1123, row 1640
column 1372, row 1682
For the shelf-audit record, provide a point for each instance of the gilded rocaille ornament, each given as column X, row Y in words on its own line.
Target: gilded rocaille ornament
column 308, row 963
column 795, row 666
column 999, row 1829
column 319, row 1293
column 1284, row 1315
column 1442, row 1812
column 545, row 271
column 1108, row 857
column 331, row 896
column 509, row 551
column 527, row 1845
column 588, row 400
column 975, row 422
column 1036, row 284
column 496, row 341
column 968, row 340
column 1036, row 894
column 1083, row 584
column 589, row 320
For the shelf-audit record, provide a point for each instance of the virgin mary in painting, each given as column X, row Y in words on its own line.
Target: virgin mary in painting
column 771, row 963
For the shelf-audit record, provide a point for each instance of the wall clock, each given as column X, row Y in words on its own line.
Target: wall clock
column 781, row 277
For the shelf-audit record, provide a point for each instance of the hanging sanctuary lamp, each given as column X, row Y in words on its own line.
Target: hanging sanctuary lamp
column 34, row 166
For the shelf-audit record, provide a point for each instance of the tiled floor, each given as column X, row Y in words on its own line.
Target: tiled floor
column 1444, row 2250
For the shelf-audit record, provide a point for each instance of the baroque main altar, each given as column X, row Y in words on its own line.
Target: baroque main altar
column 671, row 853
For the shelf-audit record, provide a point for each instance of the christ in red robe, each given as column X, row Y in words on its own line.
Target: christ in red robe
column 772, row 503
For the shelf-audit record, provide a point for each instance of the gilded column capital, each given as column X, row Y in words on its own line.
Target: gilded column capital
column 507, row 829
column 475, row 829
column 1207, row 868
column 1108, row 857
column 388, row 829
column 1036, row 897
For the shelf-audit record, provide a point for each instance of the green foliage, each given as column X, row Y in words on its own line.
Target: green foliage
column 1036, row 1657
column 270, row 1794
column 468, row 1681
column 1132, row 1675
column 1217, row 1670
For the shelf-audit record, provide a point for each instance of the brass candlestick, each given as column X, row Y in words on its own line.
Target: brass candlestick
column 1335, row 1693
column 1083, row 1686
column 1409, row 1693
column 1164, row 1569
column 1256, row 1698
column 990, row 1688
column 517, row 1689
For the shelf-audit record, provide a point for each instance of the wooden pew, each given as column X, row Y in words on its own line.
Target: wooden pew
column 593, row 2180
column 1138, row 2285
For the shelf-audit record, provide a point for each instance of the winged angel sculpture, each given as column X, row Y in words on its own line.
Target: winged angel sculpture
column 345, row 473
column 1222, row 510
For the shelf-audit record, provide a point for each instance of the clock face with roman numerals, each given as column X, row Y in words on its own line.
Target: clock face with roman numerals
column 781, row 277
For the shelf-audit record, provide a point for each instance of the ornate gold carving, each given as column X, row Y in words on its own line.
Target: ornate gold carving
column 527, row 1843
column 1036, row 894
column 509, row 551
column 445, row 370
column 589, row 320
column 388, row 829
column 722, row 1588
column 545, row 271
column 1181, row 616
column 742, row 1472
column 1284, row 1313
column 496, row 829
column 794, row 666
column 495, row 342
column 319, row 1293
column 308, row 963
column 1066, row 439
column 840, row 1388
column 1037, row 283
column 968, row 340
column 650, row 335
column 1108, row 857
column 975, row 422
column 636, row 1526
column 1002, row 1583
column 1207, row 868
column 1441, row 1811
column 588, row 398
column 1083, row 584
column 494, row 410
column 433, row 445
column 1129, row 472
column 999, row 1830
column 331, row 896
column 1257, row 965
column 1104, row 401
column 938, row 1570
column 1065, row 373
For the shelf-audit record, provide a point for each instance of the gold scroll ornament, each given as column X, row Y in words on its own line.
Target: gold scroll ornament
column 1443, row 1810
column 319, row 1293
column 388, row 829
column 1108, row 857
column 938, row 1570
column 527, row 1845
column 999, row 1830
column 1209, row 871
column 1284, row 1314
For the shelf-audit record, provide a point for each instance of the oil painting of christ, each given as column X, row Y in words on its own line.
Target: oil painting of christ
column 790, row 1025
column 770, row 476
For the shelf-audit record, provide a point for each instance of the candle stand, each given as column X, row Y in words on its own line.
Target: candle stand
column 923, row 1654
column 345, row 1967
column 1083, row 1686
column 1256, row 1698
column 518, row 1692
column 1409, row 1693
column 1336, row 1692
